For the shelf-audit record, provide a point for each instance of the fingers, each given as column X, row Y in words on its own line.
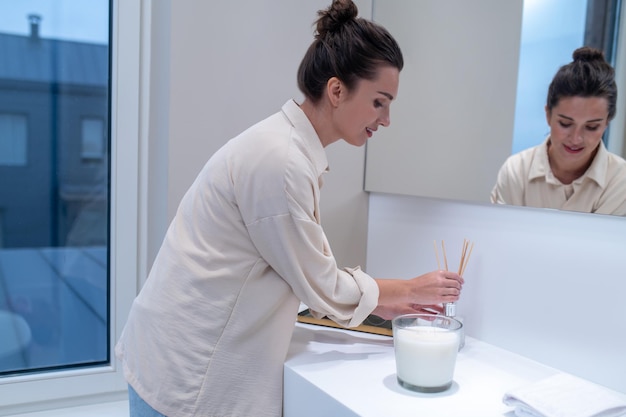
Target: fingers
column 450, row 298
column 389, row 312
column 452, row 280
column 429, row 309
column 453, row 276
column 435, row 287
column 451, row 291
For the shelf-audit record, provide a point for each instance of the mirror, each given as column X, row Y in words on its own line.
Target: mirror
column 459, row 113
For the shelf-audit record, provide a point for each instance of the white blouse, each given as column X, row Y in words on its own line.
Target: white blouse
column 209, row 331
column 526, row 179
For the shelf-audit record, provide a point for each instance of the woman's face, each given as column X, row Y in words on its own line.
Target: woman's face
column 576, row 128
column 360, row 112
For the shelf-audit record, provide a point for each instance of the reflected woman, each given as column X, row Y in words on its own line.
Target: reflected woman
column 571, row 169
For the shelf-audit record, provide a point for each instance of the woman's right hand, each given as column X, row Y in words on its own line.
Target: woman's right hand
column 398, row 296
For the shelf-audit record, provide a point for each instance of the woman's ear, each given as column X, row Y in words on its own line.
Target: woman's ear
column 334, row 89
column 548, row 114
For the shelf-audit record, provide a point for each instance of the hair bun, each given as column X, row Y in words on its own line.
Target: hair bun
column 588, row 54
column 335, row 16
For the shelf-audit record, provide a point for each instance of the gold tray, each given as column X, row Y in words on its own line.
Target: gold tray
column 372, row 324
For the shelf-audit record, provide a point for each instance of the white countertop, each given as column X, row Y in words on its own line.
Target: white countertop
column 334, row 372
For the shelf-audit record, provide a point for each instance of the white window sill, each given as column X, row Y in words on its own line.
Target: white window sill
column 108, row 409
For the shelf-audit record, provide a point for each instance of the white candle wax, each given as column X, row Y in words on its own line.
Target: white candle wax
column 425, row 356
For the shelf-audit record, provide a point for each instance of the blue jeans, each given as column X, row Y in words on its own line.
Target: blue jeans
column 138, row 407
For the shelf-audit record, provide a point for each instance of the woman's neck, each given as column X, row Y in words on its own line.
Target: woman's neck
column 320, row 118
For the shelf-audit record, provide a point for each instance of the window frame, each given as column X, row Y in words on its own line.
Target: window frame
column 33, row 392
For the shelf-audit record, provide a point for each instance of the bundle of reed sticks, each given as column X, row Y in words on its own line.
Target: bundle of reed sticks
column 464, row 259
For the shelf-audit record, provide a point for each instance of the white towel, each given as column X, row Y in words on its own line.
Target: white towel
column 564, row 395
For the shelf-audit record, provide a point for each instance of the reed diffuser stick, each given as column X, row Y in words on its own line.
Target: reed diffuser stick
column 467, row 260
column 465, row 255
column 436, row 254
column 463, row 252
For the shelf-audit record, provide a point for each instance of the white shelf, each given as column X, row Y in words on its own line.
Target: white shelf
column 344, row 373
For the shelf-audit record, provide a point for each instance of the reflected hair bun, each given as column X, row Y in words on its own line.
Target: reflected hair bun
column 588, row 54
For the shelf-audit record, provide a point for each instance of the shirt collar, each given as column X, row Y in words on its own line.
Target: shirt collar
column 306, row 131
column 598, row 168
column 540, row 166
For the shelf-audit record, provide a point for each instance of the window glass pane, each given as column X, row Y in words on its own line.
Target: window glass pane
column 12, row 139
column 54, row 204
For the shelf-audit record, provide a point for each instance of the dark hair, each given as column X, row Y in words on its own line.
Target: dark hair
column 589, row 75
column 347, row 47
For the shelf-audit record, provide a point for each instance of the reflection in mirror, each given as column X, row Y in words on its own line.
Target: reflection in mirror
column 571, row 169
column 587, row 177
column 452, row 122
column 466, row 103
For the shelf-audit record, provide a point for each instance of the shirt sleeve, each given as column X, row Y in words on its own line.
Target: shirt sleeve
column 298, row 251
column 509, row 188
column 284, row 224
column 613, row 200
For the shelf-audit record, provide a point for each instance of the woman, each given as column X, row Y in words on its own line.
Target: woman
column 571, row 169
column 208, row 334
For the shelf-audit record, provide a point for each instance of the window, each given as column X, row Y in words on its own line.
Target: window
column 68, row 260
column 54, row 259
column 12, row 139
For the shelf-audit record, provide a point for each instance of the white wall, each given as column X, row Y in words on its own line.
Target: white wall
column 548, row 285
column 219, row 67
column 452, row 123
